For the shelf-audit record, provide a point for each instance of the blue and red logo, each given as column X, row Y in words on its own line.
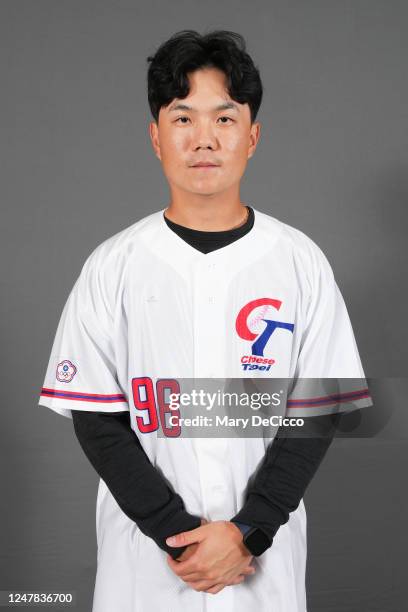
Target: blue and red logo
column 254, row 331
column 66, row 371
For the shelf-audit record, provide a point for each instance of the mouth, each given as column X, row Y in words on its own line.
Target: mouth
column 204, row 165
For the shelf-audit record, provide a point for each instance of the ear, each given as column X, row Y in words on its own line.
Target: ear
column 254, row 136
column 154, row 137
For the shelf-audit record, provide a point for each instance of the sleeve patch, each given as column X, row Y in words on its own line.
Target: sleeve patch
column 66, row 371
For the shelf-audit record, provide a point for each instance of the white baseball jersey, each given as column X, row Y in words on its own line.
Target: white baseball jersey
column 148, row 307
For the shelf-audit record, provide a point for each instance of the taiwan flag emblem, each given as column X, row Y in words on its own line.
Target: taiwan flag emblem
column 66, row 371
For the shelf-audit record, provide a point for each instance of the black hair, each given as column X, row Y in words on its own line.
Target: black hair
column 187, row 51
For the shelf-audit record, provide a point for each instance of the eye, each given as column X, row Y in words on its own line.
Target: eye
column 225, row 117
column 183, row 122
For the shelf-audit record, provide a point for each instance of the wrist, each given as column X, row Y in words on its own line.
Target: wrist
column 237, row 529
column 243, row 527
column 255, row 541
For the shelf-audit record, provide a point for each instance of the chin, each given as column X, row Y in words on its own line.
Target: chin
column 205, row 192
column 207, row 189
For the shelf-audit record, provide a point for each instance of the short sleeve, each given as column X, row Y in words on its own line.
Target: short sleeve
column 81, row 372
column 329, row 375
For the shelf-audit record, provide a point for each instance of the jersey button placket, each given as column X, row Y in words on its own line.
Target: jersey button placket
column 205, row 320
column 208, row 325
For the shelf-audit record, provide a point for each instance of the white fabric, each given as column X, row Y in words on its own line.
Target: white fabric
column 147, row 304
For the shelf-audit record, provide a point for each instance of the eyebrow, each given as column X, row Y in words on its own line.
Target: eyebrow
column 224, row 106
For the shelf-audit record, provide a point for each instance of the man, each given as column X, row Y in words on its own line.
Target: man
column 206, row 288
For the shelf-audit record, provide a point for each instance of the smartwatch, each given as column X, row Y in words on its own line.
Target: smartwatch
column 255, row 540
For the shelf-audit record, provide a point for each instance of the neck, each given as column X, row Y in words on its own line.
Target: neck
column 209, row 214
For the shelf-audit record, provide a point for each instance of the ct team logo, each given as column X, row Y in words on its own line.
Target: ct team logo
column 66, row 371
column 257, row 329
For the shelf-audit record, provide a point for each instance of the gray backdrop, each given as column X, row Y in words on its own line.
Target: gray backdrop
column 77, row 167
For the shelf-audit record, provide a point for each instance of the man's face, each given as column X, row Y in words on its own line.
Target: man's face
column 205, row 127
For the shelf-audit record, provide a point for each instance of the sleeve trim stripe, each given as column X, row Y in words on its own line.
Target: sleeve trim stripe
column 83, row 397
column 329, row 399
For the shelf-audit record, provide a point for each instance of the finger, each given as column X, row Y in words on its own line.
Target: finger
column 195, row 576
column 191, row 568
column 174, row 564
column 186, row 537
column 187, row 570
column 208, row 585
column 192, row 577
column 215, row 589
column 248, row 570
column 202, row 585
column 236, row 580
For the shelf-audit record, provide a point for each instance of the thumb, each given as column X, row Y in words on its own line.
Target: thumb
column 186, row 537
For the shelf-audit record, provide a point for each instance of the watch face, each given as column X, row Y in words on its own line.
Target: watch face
column 256, row 541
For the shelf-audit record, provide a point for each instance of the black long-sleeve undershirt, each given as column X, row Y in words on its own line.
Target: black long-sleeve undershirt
column 144, row 495
column 139, row 488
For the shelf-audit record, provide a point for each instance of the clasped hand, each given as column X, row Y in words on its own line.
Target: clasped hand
column 215, row 556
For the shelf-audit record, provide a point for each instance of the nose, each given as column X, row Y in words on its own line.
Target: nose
column 204, row 136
